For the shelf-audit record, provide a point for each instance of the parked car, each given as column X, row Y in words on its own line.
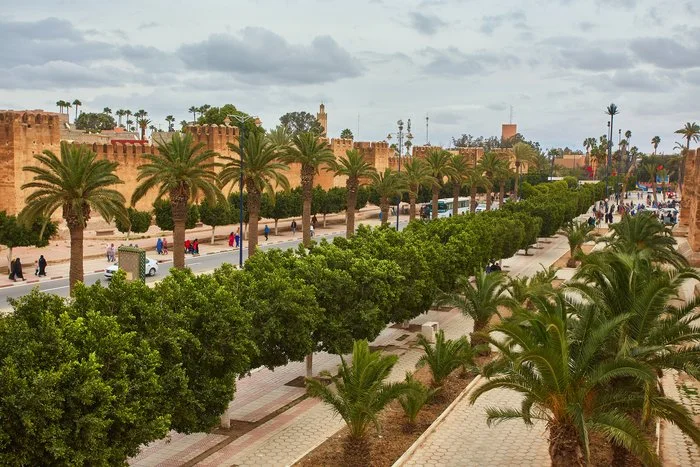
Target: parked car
column 151, row 268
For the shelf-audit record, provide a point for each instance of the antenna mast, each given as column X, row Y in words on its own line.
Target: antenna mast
column 511, row 115
column 427, row 139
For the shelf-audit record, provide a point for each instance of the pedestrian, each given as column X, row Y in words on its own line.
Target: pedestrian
column 314, row 221
column 36, row 268
column 237, row 237
column 159, row 246
column 231, row 239
column 311, row 230
column 12, row 270
column 17, row 268
column 267, row 232
column 113, row 253
column 165, row 246
column 108, row 251
column 294, row 227
column 42, row 266
column 188, row 246
column 195, row 246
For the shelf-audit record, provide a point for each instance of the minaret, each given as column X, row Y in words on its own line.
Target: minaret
column 322, row 118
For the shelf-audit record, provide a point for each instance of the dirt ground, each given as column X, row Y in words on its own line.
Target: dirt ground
column 561, row 262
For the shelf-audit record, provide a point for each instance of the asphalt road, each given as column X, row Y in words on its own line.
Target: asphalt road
column 198, row 264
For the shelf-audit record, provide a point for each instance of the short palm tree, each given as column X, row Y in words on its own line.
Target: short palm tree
column 523, row 153
column 262, row 173
column 479, row 300
column 415, row 397
column 311, row 152
column 577, row 233
column 495, row 169
column 280, row 137
column 445, row 356
column 387, row 184
column 554, row 355
column 417, row 174
column 77, row 183
column 655, row 141
column 183, row 170
column 438, row 161
column 357, row 170
column 691, row 132
column 361, row 392
column 461, row 170
column 644, row 234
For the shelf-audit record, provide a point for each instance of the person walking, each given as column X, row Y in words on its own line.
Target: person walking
column 195, row 247
column 238, row 237
column 17, row 269
column 159, row 246
column 165, row 246
column 314, row 221
column 42, row 266
column 188, row 246
column 231, row 239
column 294, row 227
column 267, row 232
column 312, row 229
column 109, row 253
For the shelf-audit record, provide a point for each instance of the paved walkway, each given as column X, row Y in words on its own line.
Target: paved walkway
column 677, row 449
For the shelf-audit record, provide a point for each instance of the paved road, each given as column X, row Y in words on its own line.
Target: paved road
column 198, row 264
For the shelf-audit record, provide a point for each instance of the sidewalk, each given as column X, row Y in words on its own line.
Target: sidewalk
column 288, row 436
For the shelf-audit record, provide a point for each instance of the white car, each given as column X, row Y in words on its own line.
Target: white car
column 150, row 270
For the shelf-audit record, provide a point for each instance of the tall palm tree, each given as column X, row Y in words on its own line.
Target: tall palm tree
column 651, row 168
column 655, row 141
column 479, row 300
column 107, row 111
column 67, row 106
column 357, row 170
column 60, row 104
column 438, row 161
column 461, row 170
column 611, row 111
column 417, row 174
column 588, row 143
column 76, row 104
column 361, row 392
column 143, row 123
column 495, row 169
column 628, row 137
column 262, row 173
column 128, row 113
column 311, row 152
column 523, row 153
column 555, row 356
column 78, row 183
column 120, row 113
column 183, row 170
column 475, row 178
column 171, row 122
column 691, row 132
column 193, row 109
column 387, row 184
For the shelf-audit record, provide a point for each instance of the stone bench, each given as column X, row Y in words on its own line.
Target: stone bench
column 429, row 329
column 104, row 233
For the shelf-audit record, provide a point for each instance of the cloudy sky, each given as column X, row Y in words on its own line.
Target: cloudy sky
column 464, row 63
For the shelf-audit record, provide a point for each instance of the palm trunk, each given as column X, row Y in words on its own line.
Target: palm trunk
column 76, row 254
column 276, row 221
column 411, row 206
column 384, row 208
column 324, row 220
column 653, row 187
column 307, row 183
column 213, row 231
column 477, row 339
column 434, row 202
column 455, row 199
column 310, row 365
column 564, row 449
column 488, row 199
column 472, row 199
column 254, row 200
column 351, row 186
column 517, row 176
column 502, row 193
column 179, row 212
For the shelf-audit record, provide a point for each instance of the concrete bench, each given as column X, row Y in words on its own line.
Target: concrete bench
column 429, row 329
column 104, row 233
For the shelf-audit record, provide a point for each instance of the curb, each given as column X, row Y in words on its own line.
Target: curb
column 433, row 426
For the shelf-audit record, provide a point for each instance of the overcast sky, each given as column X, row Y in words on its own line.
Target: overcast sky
column 559, row 63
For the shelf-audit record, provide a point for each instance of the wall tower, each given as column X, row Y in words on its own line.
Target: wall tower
column 322, row 118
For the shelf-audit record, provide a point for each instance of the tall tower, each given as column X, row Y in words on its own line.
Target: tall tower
column 322, row 118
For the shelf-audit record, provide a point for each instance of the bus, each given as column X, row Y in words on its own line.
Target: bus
column 445, row 207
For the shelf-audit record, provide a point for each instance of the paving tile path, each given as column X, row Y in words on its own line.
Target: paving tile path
column 677, row 449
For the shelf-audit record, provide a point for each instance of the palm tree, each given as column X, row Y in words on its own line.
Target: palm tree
column 438, row 161
column 417, row 174
column 120, row 113
column 475, row 178
column 577, row 233
column 655, row 142
column 60, row 104
column 78, row 183
column 76, row 104
column 445, row 356
column 107, row 111
column 495, row 169
column 280, row 137
column 651, row 168
column 523, row 153
column 664, row 174
column 554, row 355
column 171, row 122
column 387, row 184
column 194, row 111
column 479, row 301
column 183, row 124
column 460, row 172
column 357, row 170
column 361, row 392
column 128, row 113
column 262, row 173
column 183, row 170
column 588, row 143
column 67, row 105
column 691, row 131
column 143, row 123
column 628, row 137
column 311, row 152
column 611, row 111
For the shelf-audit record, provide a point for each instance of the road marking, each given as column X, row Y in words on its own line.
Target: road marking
column 55, row 288
column 192, row 264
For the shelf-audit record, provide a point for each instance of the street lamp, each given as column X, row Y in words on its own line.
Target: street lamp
column 399, row 134
column 241, row 119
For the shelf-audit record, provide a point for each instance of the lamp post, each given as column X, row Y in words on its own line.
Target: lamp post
column 399, row 134
column 241, row 119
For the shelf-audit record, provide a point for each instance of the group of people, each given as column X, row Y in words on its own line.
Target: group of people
column 192, row 247
column 234, row 239
column 162, row 246
column 16, row 268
